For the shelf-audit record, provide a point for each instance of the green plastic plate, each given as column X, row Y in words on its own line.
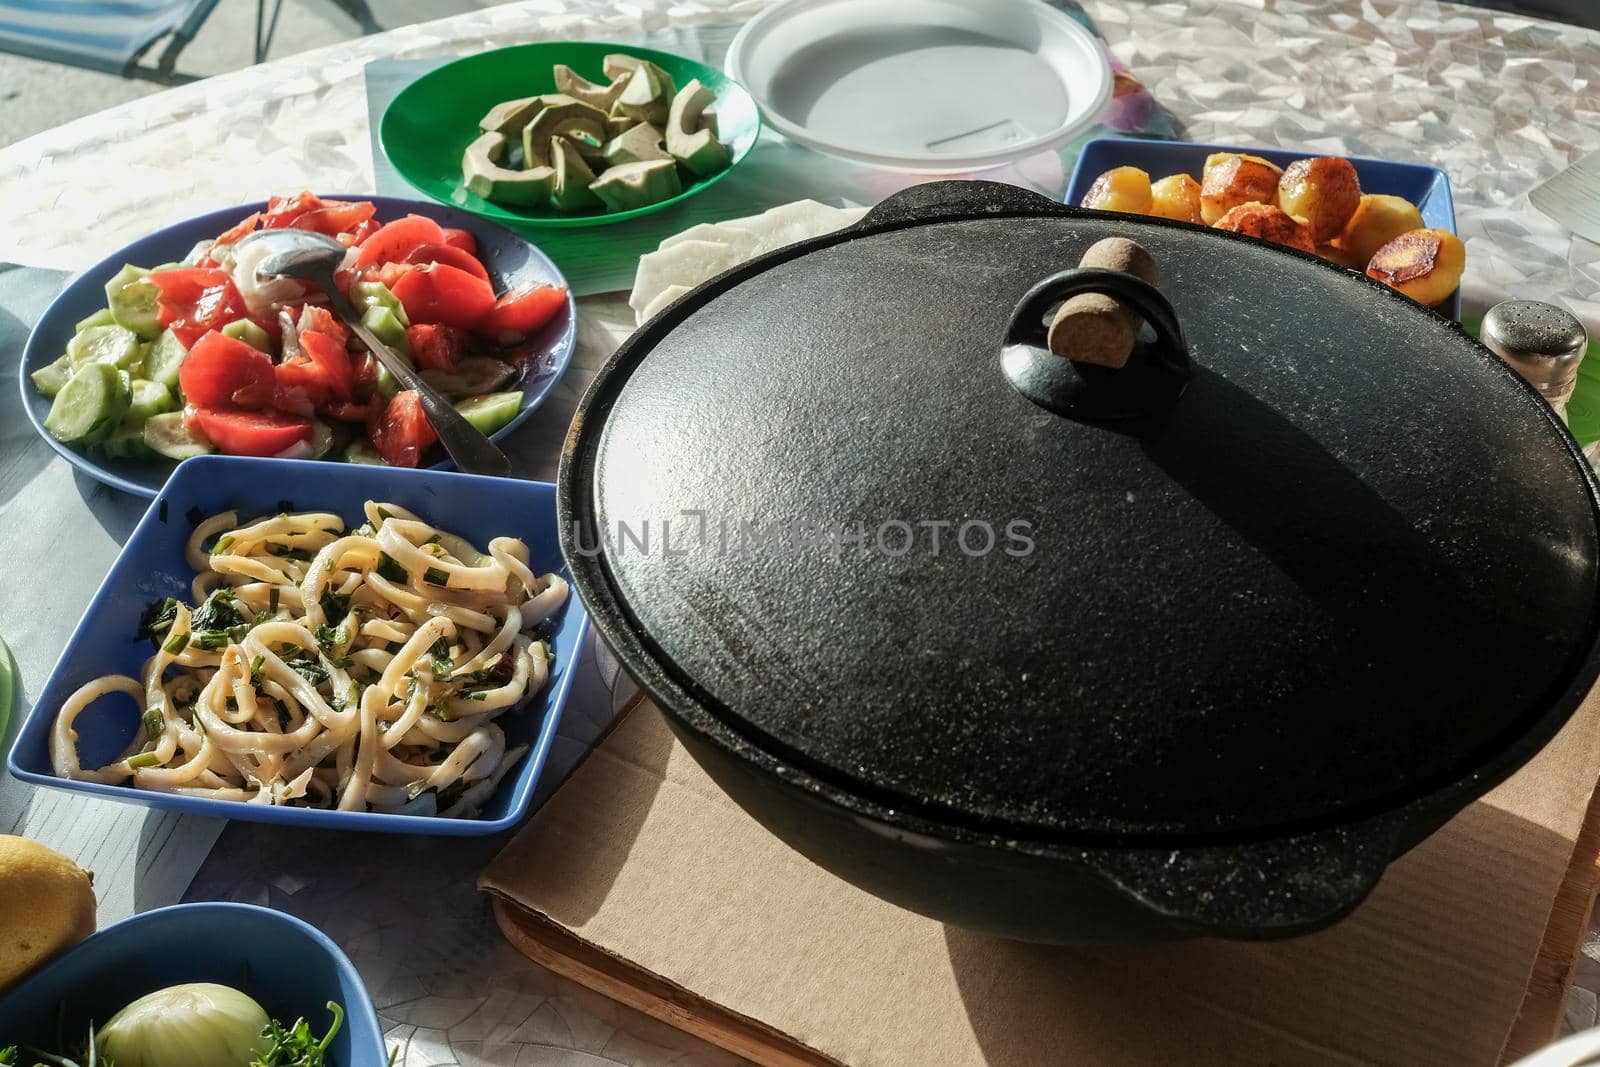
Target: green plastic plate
column 1583, row 408
column 429, row 125
column 8, row 687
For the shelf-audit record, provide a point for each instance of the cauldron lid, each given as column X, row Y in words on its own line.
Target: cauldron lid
column 1354, row 564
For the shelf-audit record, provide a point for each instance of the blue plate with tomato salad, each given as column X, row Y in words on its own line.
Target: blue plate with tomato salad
column 513, row 264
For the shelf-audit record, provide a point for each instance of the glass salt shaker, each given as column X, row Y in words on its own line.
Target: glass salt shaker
column 1541, row 342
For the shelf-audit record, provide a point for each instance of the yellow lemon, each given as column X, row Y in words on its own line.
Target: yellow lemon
column 49, row 906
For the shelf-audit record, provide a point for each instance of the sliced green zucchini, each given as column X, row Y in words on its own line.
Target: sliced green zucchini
column 162, row 361
column 361, row 451
column 473, row 375
column 49, row 379
column 168, row 436
column 90, row 405
column 103, row 317
column 116, row 345
column 150, row 398
column 127, row 441
column 490, row 411
column 134, row 302
column 251, row 334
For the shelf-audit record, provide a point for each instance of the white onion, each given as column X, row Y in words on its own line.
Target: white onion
column 196, row 1025
column 261, row 296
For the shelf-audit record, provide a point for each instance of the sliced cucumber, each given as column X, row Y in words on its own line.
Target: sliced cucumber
column 251, row 334
column 490, row 411
column 162, row 361
column 376, row 294
column 386, row 383
column 103, row 317
column 90, row 405
column 127, row 441
column 388, row 328
column 150, row 398
column 168, row 436
column 134, row 302
column 473, row 375
column 361, row 451
column 49, row 380
column 105, row 344
column 322, row 439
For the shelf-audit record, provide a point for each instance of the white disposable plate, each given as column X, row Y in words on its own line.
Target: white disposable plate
column 931, row 86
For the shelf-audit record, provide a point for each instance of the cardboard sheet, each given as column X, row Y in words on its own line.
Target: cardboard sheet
column 641, row 856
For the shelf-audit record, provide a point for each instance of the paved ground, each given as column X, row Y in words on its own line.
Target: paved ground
column 35, row 96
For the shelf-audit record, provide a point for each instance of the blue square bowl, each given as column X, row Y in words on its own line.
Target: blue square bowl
column 1426, row 187
column 289, row 968
column 152, row 566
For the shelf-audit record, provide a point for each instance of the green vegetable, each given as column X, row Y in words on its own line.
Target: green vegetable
column 150, row 398
column 435, row 576
column 144, row 759
column 197, row 1025
column 176, row 644
column 158, row 618
column 631, row 185
column 49, row 379
column 485, row 171
column 690, row 143
column 491, row 411
column 383, row 322
column 103, row 317
column 376, row 294
column 297, row 1046
column 90, row 405
column 127, row 440
column 168, row 436
column 388, row 568
column 105, row 344
column 153, row 724
column 163, row 359
column 134, row 302
column 251, row 334
column 361, row 451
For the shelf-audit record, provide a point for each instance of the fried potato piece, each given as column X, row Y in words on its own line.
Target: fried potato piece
column 1378, row 220
column 1230, row 179
column 1177, row 196
column 1268, row 222
column 1120, row 189
column 1425, row 265
column 1324, row 191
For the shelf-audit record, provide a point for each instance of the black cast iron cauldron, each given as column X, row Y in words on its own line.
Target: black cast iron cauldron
column 1195, row 647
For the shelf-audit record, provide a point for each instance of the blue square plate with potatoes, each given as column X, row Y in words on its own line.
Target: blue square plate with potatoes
column 1427, row 187
column 152, row 566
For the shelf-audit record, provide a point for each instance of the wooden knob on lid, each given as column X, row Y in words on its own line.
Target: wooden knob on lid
column 1093, row 327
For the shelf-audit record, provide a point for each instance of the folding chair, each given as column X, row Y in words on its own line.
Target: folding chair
column 108, row 35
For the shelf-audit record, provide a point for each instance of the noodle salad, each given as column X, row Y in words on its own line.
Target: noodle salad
column 359, row 670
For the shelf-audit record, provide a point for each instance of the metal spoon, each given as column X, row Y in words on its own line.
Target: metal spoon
column 311, row 257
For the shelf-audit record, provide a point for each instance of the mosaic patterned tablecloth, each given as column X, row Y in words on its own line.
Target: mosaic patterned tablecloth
column 1499, row 102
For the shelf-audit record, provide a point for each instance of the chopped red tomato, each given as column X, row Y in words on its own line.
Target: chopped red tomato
column 332, row 362
column 461, row 239
column 321, row 320
column 283, row 210
column 220, row 371
column 449, row 296
column 402, row 433
column 350, row 411
column 336, row 216
column 389, row 273
column 365, row 230
column 453, row 257
column 365, row 366
column 435, row 347
column 251, row 433
column 240, row 229
column 195, row 300
column 394, row 240
column 524, row 311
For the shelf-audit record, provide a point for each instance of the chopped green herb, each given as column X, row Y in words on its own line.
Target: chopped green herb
column 481, row 694
column 272, row 601
column 307, row 666
column 295, row 1046
column 442, row 712
column 158, row 618
column 433, row 540
column 283, row 714
column 384, row 514
column 327, row 637
column 220, row 611
column 364, row 530
column 144, row 759
column 153, row 724
column 435, row 576
column 285, row 552
column 388, row 568
column 352, row 695
column 335, row 607
column 256, row 666
column 223, row 544
column 443, row 665
column 176, row 644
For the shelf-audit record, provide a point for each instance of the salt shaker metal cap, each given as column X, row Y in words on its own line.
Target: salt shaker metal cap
column 1541, row 342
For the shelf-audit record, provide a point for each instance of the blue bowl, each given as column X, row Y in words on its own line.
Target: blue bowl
column 512, row 263
column 291, row 970
column 1426, row 187
column 151, row 567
